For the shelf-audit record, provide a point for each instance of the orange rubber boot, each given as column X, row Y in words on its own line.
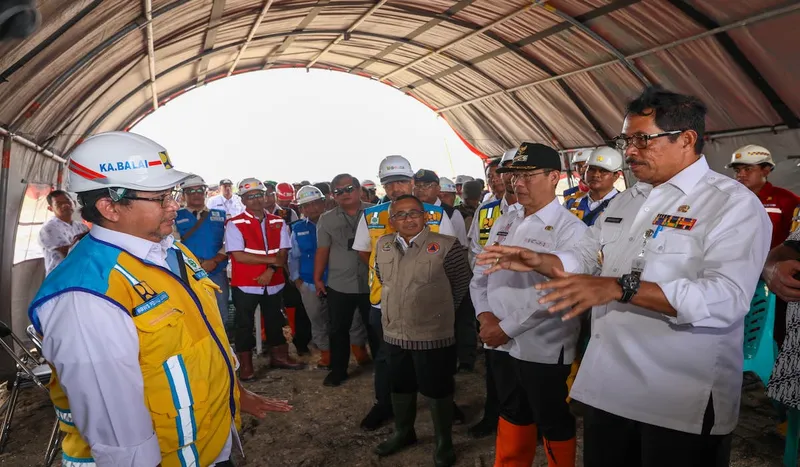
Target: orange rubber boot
column 324, row 360
column 560, row 453
column 516, row 444
column 361, row 354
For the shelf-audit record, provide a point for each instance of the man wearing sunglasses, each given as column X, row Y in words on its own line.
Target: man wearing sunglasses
column 670, row 269
column 202, row 230
column 130, row 324
column 398, row 179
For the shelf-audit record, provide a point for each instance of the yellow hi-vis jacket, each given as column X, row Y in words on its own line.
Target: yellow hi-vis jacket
column 186, row 361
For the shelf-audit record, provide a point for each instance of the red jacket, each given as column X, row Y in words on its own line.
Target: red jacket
column 780, row 204
column 244, row 275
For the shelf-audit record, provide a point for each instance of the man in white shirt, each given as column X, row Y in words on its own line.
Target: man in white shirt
column 226, row 201
column 669, row 269
column 125, row 362
column 533, row 349
column 60, row 232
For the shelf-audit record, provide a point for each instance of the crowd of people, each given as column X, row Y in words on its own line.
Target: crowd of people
column 631, row 303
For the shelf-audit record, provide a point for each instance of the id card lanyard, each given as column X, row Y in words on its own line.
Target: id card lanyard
column 639, row 263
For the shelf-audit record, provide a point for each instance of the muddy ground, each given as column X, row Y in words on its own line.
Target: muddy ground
column 322, row 430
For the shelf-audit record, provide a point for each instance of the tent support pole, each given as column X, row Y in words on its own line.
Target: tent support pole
column 6, row 252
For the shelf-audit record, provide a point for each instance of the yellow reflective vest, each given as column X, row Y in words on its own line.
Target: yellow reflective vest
column 185, row 358
column 487, row 214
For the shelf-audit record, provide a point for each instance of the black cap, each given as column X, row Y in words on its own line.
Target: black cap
column 472, row 190
column 425, row 175
column 225, row 181
column 533, row 156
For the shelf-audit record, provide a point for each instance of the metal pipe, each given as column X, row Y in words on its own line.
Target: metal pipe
column 341, row 36
column 469, row 36
column 746, row 132
column 9, row 136
column 250, row 35
column 151, row 54
column 711, row 32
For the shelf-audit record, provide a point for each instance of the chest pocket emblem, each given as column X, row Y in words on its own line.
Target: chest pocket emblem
column 433, row 248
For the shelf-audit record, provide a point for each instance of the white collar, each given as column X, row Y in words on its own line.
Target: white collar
column 547, row 214
column 684, row 180
column 138, row 247
column 403, row 243
column 608, row 195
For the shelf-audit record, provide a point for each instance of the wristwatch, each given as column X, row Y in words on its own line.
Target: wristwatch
column 273, row 267
column 630, row 285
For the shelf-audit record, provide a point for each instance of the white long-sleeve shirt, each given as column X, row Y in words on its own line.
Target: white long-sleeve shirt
column 661, row 370
column 536, row 335
column 232, row 206
column 95, row 351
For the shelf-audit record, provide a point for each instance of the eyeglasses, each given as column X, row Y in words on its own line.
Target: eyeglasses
column 164, row 199
column 403, row 215
column 526, row 176
column 252, row 196
column 194, row 191
column 341, row 191
column 639, row 141
column 425, row 185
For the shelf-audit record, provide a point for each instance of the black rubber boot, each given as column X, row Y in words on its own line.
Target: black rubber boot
column 442, row 414
column 405, row 414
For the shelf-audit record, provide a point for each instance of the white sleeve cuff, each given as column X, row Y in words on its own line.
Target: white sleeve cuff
column 146, row 454
column 570, row 262
column 511, row 328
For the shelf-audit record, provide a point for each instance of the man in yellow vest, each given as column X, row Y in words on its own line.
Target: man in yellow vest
column 143, row 374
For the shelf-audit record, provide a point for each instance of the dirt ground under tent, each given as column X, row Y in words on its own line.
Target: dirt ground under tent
column 322, row 430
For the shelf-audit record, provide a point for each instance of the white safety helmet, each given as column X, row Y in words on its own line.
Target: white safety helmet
column 751, row 155
column 251, row 184
column 446, row 185
column 606, row 158
column 308, row 194
column 194, row 180
column 508, row 156
column 580, row 156
column 368, row 184
column 395, row 169
column 124, row 160
column 462, row 179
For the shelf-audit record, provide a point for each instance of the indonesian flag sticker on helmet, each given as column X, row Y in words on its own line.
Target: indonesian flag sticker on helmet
column 121, row 159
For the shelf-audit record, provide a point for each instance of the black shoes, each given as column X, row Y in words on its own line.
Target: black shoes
column 486, row 427
column 333, row 379
column 377, row 417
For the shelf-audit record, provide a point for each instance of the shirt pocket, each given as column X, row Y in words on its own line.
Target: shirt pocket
column 385, row 269
column 160, row 333
column 672, row 255
column 422, row 272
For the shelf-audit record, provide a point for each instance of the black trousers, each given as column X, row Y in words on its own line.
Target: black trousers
column 274, row 320
column 429, row 372
column 531, row 393
column 466, row 333
column 613, row 441
column 341, row 307
column 302, row 325
column 383, row 387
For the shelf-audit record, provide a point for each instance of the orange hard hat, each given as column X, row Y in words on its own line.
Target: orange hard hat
column 285, row 191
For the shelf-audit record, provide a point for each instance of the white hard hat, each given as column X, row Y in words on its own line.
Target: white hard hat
column 194, row 180
column 606, row 158
column 462, row 179
column 368, row 184
column 751, row 155
column 580, row 156
column 508, row 156
column 395, row 169
column 308, row 194
column 250, row 184
column 446, row 185
column 121, row 159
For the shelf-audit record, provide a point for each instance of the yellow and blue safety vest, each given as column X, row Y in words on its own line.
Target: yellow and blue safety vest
column 487, row 214
column 579, row 205
column 187, row 366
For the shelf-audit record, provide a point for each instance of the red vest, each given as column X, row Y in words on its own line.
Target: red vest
column 244, row 275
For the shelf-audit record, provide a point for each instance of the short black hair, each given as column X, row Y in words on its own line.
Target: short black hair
column 324, row 187
column 53, row 194
column 493, row 163
column 341, row 177
column 89, row 199
column 672, row 111
column 419, row 201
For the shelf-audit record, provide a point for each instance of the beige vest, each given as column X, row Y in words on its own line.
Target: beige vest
column 416, row 297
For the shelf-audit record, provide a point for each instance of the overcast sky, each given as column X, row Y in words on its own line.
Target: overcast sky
column 290, row 125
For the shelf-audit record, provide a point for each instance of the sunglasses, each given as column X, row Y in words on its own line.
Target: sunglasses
column 341, row 191
column 194, row 191
column 253, row 196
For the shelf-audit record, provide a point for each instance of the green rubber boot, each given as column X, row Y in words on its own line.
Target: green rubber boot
column 442, row 414
column 405, row 414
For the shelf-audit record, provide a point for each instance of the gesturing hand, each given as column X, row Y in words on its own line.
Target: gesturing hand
column 513, row 258
column 258, row 406
column 578, row 293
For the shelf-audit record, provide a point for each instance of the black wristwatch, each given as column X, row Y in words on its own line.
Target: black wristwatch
column 630, row 285
column 273, row 267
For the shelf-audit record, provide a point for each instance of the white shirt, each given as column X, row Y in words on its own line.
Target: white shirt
column 94, row 348
column 232, row 207
column 362, row 241
column 234, row 241
column 594, row 204
column 459, row 226
column 536, row 335
column 56, row 233
column 474, row 230
column 656, row 369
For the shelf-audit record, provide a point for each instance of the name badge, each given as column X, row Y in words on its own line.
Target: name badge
column 150, row 304
column 200, row 275
column 613, row 220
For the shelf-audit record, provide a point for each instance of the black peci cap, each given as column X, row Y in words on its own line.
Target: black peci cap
column 533, row 156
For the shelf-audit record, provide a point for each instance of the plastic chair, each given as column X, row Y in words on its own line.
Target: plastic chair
column 55, row 435
column 32, row 371
column 760, row 350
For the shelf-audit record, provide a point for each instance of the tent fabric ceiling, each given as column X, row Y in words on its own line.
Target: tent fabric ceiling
column 500, row 71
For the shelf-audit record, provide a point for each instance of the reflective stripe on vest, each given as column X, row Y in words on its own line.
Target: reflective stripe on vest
column 244, row 275
column 67, row 461
column 182, row 398
column 486, row 217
